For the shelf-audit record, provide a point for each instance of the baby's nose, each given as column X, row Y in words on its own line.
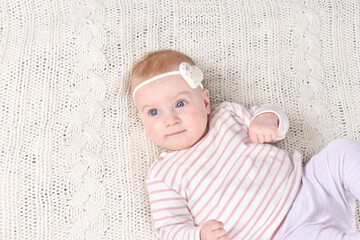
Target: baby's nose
column 171, row 119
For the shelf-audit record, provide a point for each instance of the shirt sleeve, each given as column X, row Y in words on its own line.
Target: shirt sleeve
column 171, row 216
column 247, row 115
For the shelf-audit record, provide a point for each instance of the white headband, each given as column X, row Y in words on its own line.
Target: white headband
column 192, row 75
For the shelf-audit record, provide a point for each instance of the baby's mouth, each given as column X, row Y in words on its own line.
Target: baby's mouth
column 176, row 133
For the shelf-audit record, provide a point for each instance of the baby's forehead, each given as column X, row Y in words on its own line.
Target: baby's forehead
column 137, row 80
column 166, row 88
column 173, row 84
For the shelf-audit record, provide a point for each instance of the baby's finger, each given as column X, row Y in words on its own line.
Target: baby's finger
column 260, row 138
column 268, row 138
column 214, row 225
column 220, row 232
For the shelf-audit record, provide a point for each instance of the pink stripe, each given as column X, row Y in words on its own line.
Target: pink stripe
column 173, row 216
column 228, row 184
column 244, row 114
column 284, row 203
column 161, row 191
column 166, row 199
column 257, row 191
column 220, row 185
column 266, row 194
column 252, row 182
column 208, row 160
column 168, row 209
column 252, row 111
column 233, row 107
column 154, row 182
column 162, row 236
column 217, row 161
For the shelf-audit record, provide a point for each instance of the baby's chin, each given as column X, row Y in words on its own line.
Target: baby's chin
column 179, row 146
column 174, row 147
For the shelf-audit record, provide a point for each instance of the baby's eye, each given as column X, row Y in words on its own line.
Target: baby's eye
column 154, row 112
column 180, row 104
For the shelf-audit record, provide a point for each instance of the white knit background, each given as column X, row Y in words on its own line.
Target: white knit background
column 73, row 155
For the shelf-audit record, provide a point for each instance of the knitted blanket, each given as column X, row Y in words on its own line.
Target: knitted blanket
column 73, row 154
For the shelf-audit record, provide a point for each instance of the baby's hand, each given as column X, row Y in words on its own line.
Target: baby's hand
column 213, row 230
column 264, row 128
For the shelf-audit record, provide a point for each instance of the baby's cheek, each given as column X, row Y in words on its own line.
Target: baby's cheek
column 152, row 132
column 200, row 122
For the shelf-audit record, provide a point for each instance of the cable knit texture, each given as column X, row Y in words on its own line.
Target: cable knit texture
column 73, row 154
column 84, row 162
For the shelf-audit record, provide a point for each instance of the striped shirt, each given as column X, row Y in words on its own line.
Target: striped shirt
column 224, row 176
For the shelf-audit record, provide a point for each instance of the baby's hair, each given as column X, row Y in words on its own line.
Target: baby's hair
column 156, row 63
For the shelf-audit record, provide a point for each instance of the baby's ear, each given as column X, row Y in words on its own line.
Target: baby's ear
column 206, row 100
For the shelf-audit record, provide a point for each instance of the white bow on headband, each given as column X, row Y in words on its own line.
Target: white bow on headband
column 191, row 73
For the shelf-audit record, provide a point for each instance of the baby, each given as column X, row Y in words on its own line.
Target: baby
column 218, row 179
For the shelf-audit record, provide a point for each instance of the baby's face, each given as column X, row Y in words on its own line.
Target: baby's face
column 174, row 115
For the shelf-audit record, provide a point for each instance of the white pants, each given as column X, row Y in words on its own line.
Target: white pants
column 325, row 205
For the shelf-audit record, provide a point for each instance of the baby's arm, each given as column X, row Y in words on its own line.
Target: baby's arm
column 171, row 216
column 268, row 124
column 264, row 124
column 172, row 219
